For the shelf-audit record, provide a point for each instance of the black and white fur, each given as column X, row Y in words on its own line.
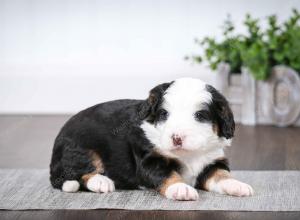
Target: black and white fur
column 182, row 127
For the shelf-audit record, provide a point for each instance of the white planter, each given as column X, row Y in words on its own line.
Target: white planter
column 275, row 101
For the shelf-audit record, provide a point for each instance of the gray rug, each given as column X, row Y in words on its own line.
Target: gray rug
column 30, row 189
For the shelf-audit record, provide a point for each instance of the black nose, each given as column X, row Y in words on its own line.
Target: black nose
column 177, row 140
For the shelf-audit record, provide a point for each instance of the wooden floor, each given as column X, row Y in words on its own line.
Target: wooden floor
column 26, row 142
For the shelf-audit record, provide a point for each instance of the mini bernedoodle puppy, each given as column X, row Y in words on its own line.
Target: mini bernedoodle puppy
column 172, row 142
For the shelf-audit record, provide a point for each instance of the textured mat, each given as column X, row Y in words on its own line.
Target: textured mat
column 30, row 189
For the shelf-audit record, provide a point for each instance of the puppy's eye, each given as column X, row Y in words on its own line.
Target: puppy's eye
column 162, row 115
column 202, row 115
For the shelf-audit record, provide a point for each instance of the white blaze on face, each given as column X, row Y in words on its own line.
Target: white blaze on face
column 182, row 100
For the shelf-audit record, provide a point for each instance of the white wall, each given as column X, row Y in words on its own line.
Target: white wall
column 59, row 56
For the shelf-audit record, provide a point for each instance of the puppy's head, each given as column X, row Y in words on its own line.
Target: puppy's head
column 187, row 115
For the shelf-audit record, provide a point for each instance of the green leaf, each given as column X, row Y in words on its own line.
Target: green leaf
column 258, row 49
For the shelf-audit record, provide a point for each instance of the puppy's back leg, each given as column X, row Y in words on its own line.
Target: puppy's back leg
column 95, row 181
column 70, row 163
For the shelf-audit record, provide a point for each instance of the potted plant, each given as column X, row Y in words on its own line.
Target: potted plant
column 258, row 71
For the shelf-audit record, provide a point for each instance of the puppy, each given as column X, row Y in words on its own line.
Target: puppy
column 172, row 142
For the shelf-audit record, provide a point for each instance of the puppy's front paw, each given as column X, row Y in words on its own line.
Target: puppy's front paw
column 235, row 188
column 99, row 183
column 181, row 191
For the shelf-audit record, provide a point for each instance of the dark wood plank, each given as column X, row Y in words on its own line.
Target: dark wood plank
column 253, row 148
column 27, row 133
column 259, row 148
column 145, row 215
column 292, row 147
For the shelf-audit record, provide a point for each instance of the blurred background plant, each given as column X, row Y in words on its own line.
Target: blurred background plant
column 258, row 49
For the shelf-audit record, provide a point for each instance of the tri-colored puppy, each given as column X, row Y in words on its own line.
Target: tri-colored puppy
column 172, row 142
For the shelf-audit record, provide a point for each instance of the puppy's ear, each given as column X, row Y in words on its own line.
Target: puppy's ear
column 151, row 104
column 222, row 114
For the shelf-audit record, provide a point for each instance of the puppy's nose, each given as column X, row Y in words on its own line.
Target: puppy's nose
column 177, row 140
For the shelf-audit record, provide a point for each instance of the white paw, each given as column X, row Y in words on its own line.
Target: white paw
column 99, row 183
column 181, row 191
column 235, row 188
column 70, row 186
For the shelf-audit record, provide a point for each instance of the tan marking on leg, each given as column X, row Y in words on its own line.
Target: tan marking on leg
column 97, row 162
column 216, row 177
column 174, row 178
column 85, row 178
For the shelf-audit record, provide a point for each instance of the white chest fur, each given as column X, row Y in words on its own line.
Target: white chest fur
column 195, row 162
